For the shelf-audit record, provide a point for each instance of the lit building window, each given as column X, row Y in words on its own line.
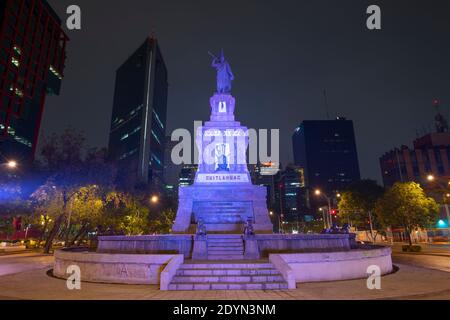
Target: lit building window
column 156, row 159
column 15, row 62
column 158, row 119
column 126, row 155
column 55, row 72
column 130, row 134
column 156, row 137
column 17, row 50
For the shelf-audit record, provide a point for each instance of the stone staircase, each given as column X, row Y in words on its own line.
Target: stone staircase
column 227, row 276
column 225, row 247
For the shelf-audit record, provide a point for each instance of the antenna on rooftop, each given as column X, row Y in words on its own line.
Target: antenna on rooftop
column 440, row 121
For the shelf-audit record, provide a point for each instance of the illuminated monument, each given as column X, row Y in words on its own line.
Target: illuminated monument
column 222, row 196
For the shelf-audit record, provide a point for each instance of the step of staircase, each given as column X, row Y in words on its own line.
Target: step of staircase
column 226, row 272
column 228, row 245
column 225, row 250
column 227, row 276
column 225, row 247
column 227, row 266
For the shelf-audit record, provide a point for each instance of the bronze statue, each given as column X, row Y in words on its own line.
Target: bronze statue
column 224, row 74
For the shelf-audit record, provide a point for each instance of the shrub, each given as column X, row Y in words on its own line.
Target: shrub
column 413, row 248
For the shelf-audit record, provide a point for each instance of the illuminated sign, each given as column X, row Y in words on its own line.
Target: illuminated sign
column 221, row 177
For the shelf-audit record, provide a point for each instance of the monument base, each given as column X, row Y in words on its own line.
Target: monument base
column 222, row 208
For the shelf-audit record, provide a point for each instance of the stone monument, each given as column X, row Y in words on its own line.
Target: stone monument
column 222, row 197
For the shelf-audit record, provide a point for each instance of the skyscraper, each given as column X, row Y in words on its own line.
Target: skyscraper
column 326, row 151
column 138, row 123
column 32, row 61
column 171, row 170
column 290, row 195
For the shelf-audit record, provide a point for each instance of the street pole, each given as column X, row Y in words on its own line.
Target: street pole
column 448, row 214
column 324, row 219
column 329, row 212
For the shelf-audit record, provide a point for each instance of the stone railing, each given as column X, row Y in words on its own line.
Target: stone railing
column 286, row 243
column 151, row 244
column 332, row 266
column 169, row 271
column 112, row 268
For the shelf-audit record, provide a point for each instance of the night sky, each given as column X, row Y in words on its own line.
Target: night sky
column 283, row 54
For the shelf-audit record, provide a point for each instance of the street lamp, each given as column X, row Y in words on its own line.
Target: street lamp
column 12, row 164
column 154, row 199
column 328, row 221
column 440, row 187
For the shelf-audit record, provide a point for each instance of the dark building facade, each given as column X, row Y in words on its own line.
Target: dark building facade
column 326, row 151
column 138, row 124
column 430, row 155
column 32, row 61
column 291, row 201
column 171, row 170
column 187, row 175
column 265, row 174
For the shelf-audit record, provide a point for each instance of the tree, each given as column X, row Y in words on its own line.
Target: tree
column 406, row 205
column 162, row 223
column 86, row 209
column 48, row 202
column 124, row 214
column 69, row 167
column 358, row 203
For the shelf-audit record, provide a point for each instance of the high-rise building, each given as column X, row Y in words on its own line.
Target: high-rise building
column 32, row 61
column 430, row 155
column 326, row 151
column 264, row 174
column 291, row 201
column 427, row 163
column 171, row 170
column 187, row 175
column 138, row 123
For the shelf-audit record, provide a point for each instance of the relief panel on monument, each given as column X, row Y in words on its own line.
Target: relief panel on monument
column 223, row 211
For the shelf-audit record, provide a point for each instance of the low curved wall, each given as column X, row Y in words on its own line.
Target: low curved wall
column 112, row 268
column 286, row 243
column 150, row 244
column 333, row 266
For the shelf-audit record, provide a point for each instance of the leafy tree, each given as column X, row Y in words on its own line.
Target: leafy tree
column 125, row 215
column 357, row 204
column 162, row 222
column 47, row 202
column 406, row 205
column 86, row 209
column 70, row 168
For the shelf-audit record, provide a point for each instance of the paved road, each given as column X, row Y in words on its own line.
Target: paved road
column 17, row 263
column 432, row 256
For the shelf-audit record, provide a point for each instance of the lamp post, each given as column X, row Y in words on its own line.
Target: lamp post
column 12, row 164
column 318, row 192
column 444, row 188
column 154, row 199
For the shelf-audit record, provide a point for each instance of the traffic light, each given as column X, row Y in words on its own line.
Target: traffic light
column 334, row 212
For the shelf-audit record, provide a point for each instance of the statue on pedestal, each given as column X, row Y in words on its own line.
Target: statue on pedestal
column 224, row 74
